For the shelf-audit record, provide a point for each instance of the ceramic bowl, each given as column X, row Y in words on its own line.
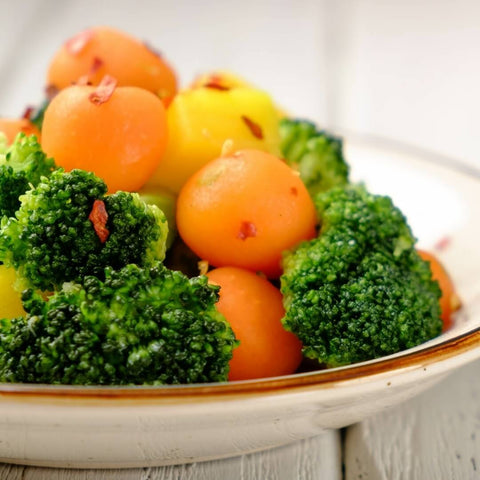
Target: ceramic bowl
column 113, row 427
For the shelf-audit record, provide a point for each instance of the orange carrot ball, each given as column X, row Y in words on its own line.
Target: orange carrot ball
column 99, row 51
column 254, row 309
column 118, row 133
column 244, row 210
column 12, row 126
column 449, row 301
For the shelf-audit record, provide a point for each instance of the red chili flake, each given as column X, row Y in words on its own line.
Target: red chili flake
column 294, row 191
column 104, row 90
column 247, row 229
column 254, row 127
column 94, row 67
column 97, row 63
column 443, row 243
column 216, row 86
column 99, row 216
column 77, row 43
column 50, row 91
column 216, row 81
column 27, row 113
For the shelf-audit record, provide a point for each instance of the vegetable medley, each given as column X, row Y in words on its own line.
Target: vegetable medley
column 157, row 235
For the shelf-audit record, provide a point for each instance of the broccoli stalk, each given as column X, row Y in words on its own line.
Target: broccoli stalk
column 317, row 155
column 359, row 290
column 67, row 228
column 138, row 326
column 22, row 165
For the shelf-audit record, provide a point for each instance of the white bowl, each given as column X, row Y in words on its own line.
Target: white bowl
column 114, row 427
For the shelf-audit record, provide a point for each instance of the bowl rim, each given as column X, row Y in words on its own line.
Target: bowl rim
column 407, row 359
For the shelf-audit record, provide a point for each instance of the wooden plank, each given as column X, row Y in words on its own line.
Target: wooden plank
column 436, row 435
column 318, row 457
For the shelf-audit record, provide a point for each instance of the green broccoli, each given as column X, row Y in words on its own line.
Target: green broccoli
column 67, row 228
column 359, row 290
column 22, row 165
column 317, row 155
column 138, row 326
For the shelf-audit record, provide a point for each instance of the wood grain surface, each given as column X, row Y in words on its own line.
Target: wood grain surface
column 433, row 436
column 315, row 458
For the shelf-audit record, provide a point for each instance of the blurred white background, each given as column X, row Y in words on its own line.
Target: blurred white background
column 408, row 70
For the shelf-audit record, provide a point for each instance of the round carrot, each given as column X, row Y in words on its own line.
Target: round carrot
column 12, row 126
column 118, row 133
column 449, row 301
column 254, row 309
column 99, row 51
column 244, row 210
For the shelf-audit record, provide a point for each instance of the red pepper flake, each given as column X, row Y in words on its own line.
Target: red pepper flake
column 51, row 91
column 28, row 112
column 254, row 127
column 94, row 67
column 216, row 86
column 294, row 191
column 99, row 216
column 97, row 63
column 77, row 43
column 104, row 90
column 247, row 229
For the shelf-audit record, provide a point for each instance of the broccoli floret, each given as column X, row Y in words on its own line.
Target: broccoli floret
column 22, row 165
column 316, row 154
column 138, row 231
column 138, row 326
column 359, row 290
column 67, row 228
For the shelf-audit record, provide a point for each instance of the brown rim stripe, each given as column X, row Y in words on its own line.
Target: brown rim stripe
column 321, row 379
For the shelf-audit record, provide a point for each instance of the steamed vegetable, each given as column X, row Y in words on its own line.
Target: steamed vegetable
column 359, row 290
column 98, row 51
column 10, row 298
column 253, row 307
column 119, row 133
column 67, row 228
column 201, row 120
column 22, row 165
column 315, row 154
column 449, row 301
column 11, row 127
column 137, row 326
column 134, row 183
column 244, row 210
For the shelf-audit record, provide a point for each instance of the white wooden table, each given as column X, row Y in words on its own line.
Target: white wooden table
column 434, row 436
